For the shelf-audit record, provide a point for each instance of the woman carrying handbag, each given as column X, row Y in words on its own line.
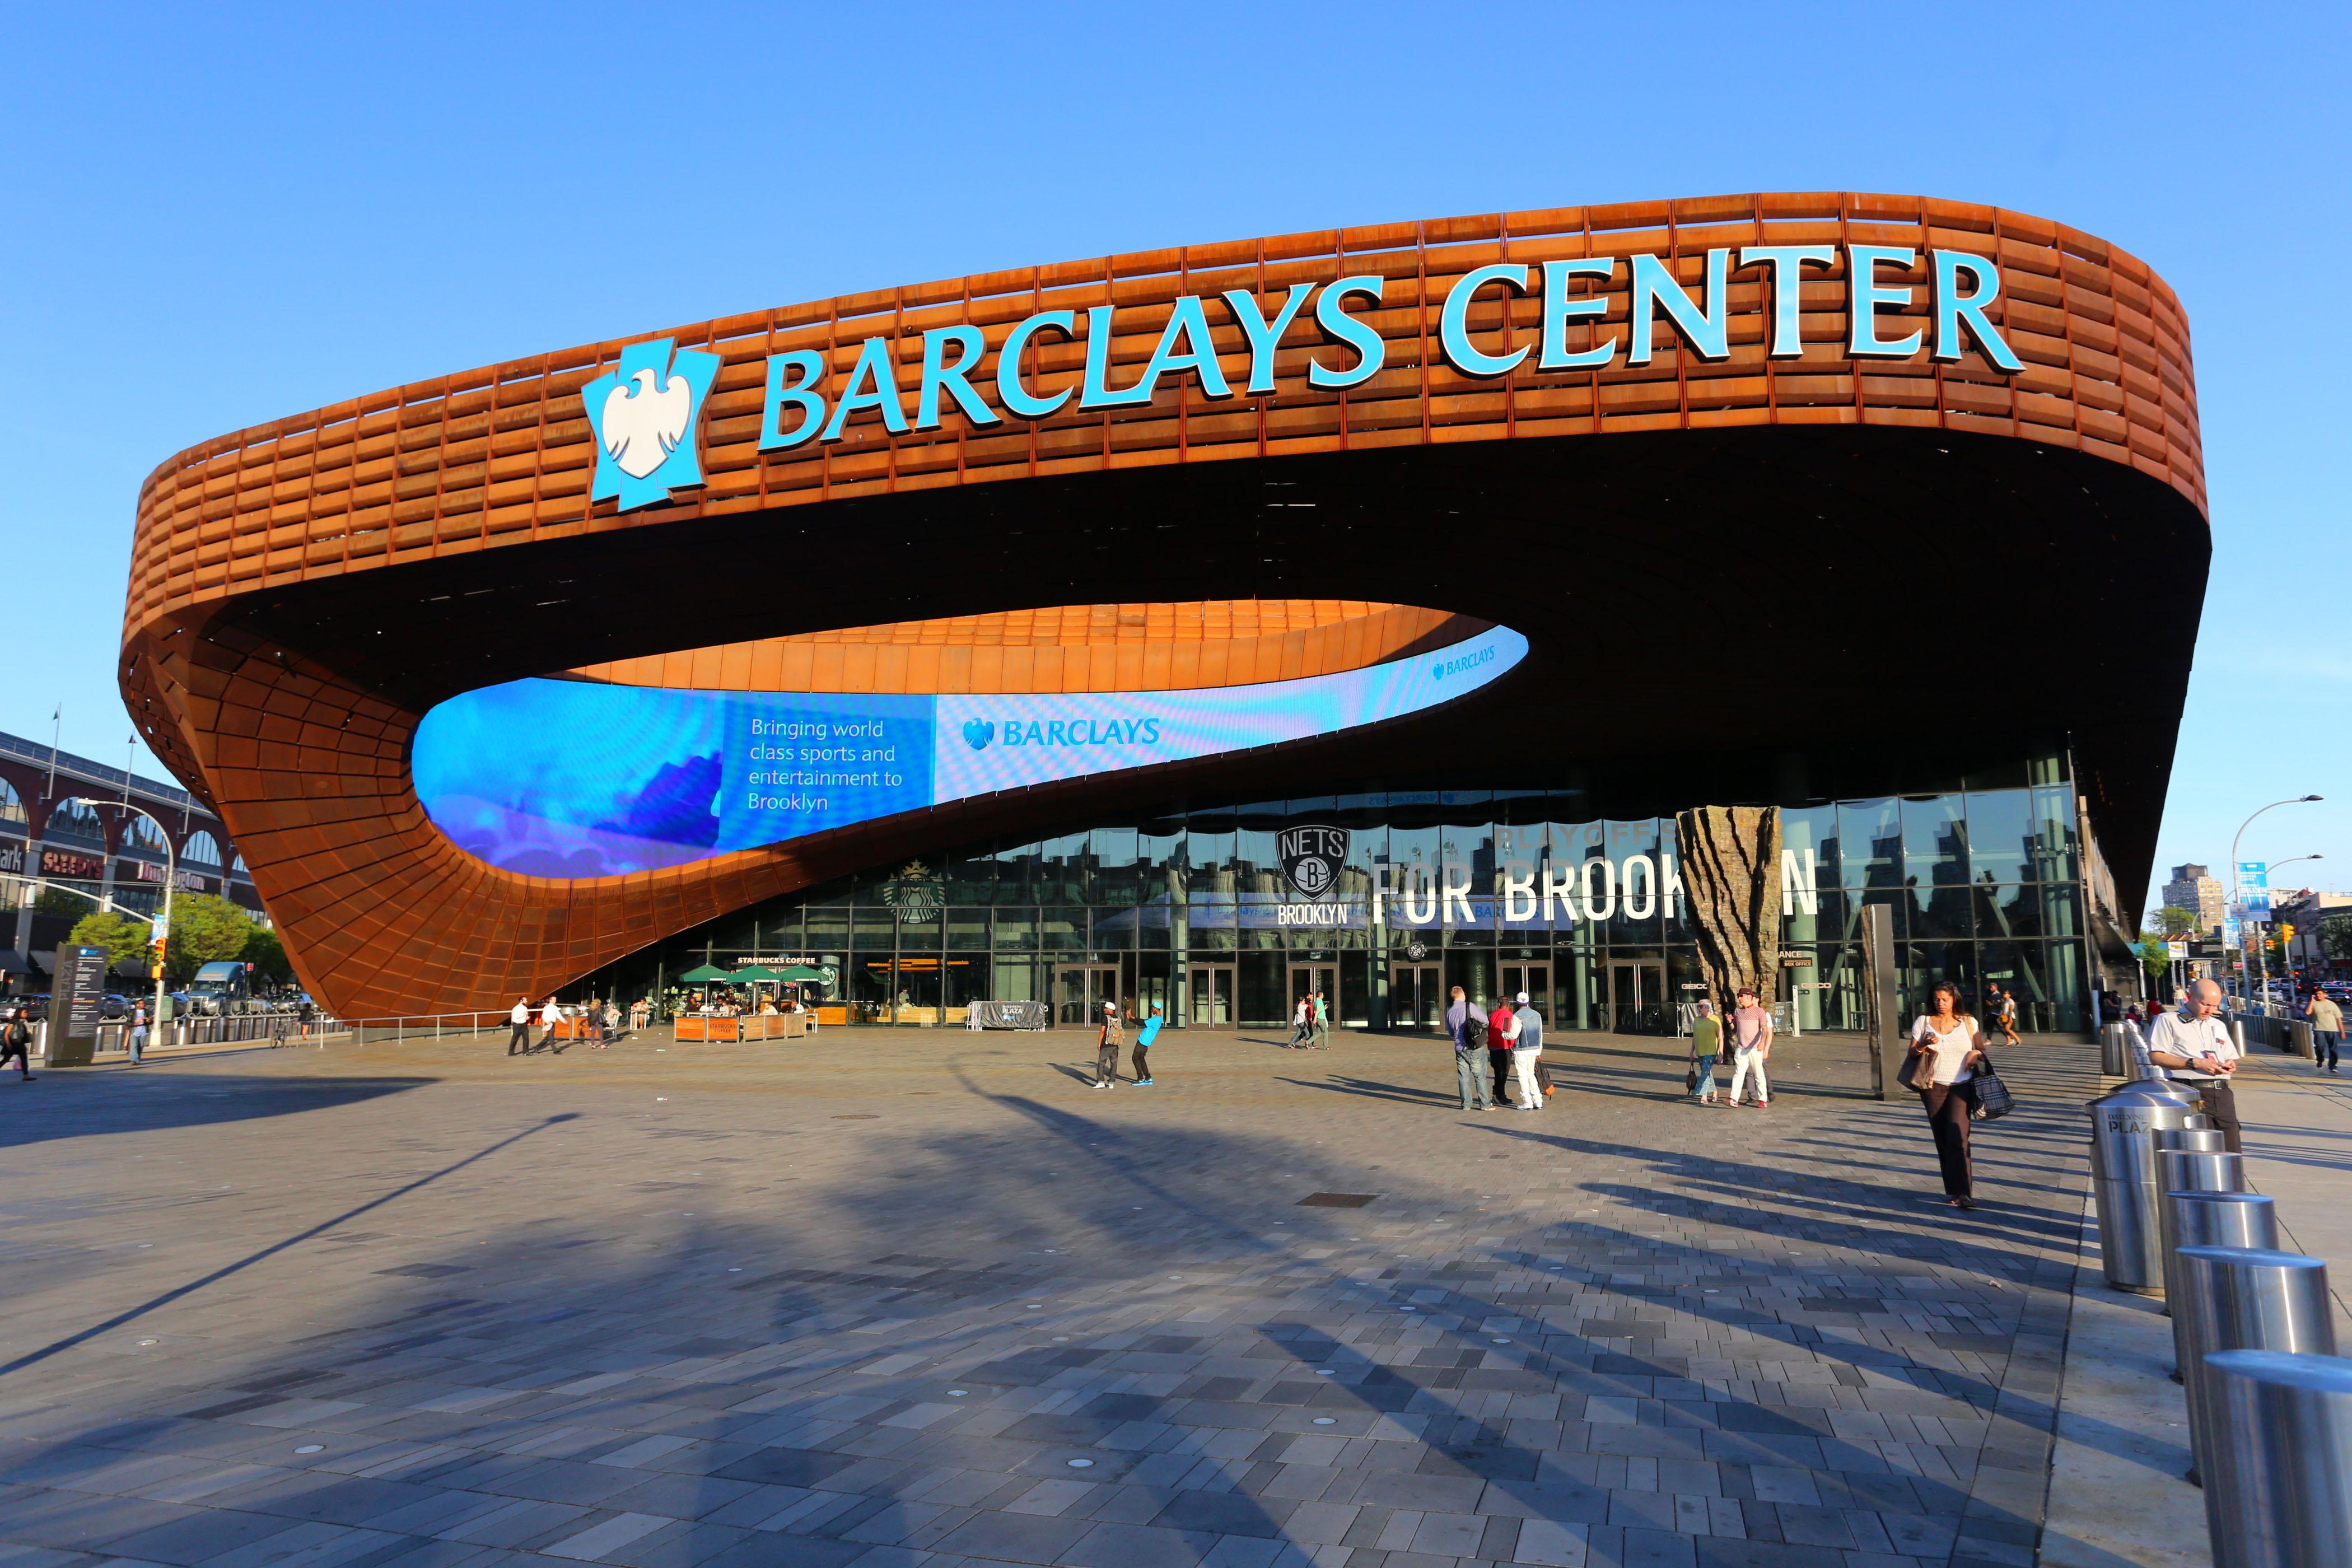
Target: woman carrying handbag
column 1946, row 1053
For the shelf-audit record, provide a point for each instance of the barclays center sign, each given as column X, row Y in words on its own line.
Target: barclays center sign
column 646, row 414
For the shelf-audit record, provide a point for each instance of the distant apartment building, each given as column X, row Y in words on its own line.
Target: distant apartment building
column 2199, row 891
column 2307, row 911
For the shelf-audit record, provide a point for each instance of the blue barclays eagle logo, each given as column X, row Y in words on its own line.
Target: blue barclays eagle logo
column 644, row 414
column 976, row 734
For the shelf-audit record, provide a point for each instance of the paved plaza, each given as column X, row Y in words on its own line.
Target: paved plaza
column 914, row 1300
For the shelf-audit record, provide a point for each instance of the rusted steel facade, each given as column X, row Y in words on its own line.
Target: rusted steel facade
column 254, row 553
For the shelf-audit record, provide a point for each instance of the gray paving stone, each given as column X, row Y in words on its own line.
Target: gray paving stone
column 760, row 1333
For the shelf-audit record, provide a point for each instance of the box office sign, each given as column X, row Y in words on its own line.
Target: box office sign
column 646, row 414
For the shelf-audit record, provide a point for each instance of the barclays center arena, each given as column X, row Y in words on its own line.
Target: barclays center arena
column 1364, row 611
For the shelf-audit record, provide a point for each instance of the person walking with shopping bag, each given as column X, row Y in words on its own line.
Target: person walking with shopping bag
column 1946, row 1050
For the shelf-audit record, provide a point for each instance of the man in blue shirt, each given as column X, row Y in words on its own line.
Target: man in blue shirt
column 1143, row 1038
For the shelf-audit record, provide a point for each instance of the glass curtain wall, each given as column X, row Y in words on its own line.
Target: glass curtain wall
column 1498, row 892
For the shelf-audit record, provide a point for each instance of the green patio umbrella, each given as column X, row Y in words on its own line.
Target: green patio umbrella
column 704, row 976
column 752, row 972
column 801, row 971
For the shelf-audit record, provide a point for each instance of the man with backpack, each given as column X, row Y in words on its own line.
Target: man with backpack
column 16, row 1040
column 1469, row 1027
column 1107, row 1043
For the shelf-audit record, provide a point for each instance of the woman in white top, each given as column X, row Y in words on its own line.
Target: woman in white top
column 1949, row 1049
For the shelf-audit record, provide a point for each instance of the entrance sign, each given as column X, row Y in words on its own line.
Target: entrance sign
column 678, row 776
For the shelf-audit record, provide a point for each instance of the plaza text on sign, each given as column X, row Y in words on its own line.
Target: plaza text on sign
column 800, row 407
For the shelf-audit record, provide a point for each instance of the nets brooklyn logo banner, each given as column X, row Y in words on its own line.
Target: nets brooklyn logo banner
column 1311, row 856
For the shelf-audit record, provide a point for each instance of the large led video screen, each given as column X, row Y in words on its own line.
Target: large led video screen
column 575, row 779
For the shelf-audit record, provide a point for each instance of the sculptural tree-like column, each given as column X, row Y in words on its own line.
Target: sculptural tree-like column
column 1731, row 892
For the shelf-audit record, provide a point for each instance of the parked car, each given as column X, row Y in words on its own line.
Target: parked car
column 112, row 1005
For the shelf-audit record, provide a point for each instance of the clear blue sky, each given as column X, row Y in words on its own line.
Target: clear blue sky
column 219, row 215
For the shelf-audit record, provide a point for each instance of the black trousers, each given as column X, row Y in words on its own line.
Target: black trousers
column 1142, row 1064
column 521, row 1037
column 2221, row 1111
column 1501, row 1062
column 1949, row 1106
column 22, row 1055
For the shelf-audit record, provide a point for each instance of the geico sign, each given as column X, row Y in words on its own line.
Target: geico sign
column 1963, row 286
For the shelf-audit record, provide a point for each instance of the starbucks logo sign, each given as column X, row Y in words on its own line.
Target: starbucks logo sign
column 915, row 894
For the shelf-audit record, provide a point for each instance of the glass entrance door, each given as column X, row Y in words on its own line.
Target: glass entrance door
column 1637, row 996
column 1535, row 979
column 1417, row 996
column 1079, row 992
column 1307, row 979
column 1212, row 994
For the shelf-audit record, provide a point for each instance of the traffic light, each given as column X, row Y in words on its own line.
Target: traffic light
column 155, row 952
column 2286, row 933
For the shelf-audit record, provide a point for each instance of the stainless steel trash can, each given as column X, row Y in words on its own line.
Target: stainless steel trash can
column 2281, row 1495
column 2124, row 1125
column 2245, row 1298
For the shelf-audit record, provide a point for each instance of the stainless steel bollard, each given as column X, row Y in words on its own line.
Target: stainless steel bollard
column 2199, row 1137
column 2183, row 1170
column 2115, row 1051
column 2282, row 1489
column 2124, row 1125
column 2209, row 1219
column 2245, row 1298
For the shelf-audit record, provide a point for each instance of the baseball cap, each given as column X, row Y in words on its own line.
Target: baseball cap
column 1523, row 998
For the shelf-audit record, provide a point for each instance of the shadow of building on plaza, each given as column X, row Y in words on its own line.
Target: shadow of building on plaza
column 832, row 1362
column 79, row 1103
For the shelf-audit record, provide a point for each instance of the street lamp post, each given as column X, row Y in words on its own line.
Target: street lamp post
column 2236, row 901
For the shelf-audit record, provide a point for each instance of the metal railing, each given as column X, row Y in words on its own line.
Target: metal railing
column 270, row 1029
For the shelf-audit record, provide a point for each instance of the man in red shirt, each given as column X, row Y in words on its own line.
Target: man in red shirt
column 1502, row 1028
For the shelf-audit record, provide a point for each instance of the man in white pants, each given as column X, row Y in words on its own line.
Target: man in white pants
column 1752, row 1035
column 1526, row 1050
